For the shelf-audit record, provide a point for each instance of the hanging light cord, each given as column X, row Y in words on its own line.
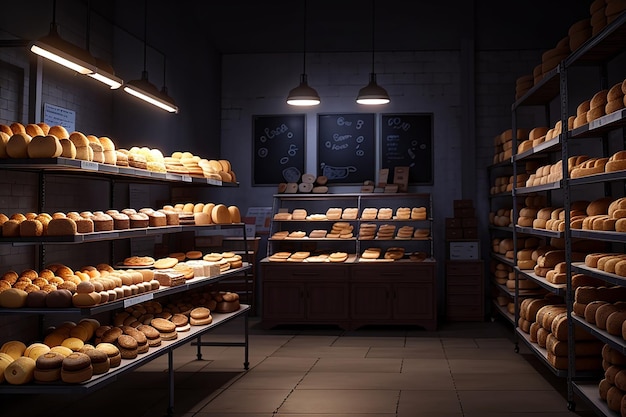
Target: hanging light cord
column 87, row 37
column 373, row 30
column 304, row 42
column 145, row 32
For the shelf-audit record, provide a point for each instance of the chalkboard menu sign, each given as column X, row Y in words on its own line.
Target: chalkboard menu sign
column 407, row 141
column 345, row 147
column 278, row 149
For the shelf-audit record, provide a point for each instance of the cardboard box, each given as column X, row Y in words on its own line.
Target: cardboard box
column 453, row 222
column 401, row 177
column 469, row 222
column 463, row 204
column 470, row 233
column 454, row 233
column 464, row 250
column 464, row 212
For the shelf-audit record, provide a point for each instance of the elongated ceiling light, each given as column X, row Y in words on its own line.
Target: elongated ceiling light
column 303, row 94
column 144, row 89
column 372, row 93
column 65, row 53
column 103, row 71
column 56, row 49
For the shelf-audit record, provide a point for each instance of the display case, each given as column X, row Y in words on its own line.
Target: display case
column 397, row 285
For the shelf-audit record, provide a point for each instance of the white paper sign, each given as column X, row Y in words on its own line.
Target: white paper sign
column 55, row 116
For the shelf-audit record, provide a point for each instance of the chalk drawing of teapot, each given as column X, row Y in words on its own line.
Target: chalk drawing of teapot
column 336, row 173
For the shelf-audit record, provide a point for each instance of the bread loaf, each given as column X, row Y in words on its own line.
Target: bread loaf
column 44, row 147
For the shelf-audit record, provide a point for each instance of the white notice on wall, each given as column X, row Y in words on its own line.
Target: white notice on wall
column 55, row 115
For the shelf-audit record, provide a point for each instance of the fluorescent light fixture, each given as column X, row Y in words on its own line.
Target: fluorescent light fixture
column 58, row 50
column 303, row 95
column 147, row 92
column 372, row 94
column 54, row 48
column 105, row 74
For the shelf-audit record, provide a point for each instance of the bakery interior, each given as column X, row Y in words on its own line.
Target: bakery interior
column 505, row 292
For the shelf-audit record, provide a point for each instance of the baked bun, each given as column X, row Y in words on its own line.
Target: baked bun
column 59, row 131
column 17, row 145
column 44, row 147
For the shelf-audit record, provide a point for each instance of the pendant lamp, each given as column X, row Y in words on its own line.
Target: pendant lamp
column 303, row 94
column 103, row 71
column 372, row 93
column 144, row 89
column 65, row 53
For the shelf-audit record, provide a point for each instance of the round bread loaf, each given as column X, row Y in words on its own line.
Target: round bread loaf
column 17, row 145
column 59, row 131
column 220, row 214
column 99, row 361
column 44, row 147
column 112, row 352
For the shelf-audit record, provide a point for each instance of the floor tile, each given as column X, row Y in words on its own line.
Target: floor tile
column 429, row 402
column 428, row 352
column 337, row 401
column 520, row 401
column 247, row 401
column 357, row 365
column 268, row 380
column 285, row 364
column 376, row 381
column 500, row 381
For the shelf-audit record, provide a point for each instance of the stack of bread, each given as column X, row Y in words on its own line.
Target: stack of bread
column 58, row 286
column 528, row 309
column 523, row 84
column 612, row 387
column 501, row 217
column 203, row 213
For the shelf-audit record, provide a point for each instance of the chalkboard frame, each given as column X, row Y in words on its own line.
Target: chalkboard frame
column 300, row 144
column 370, row 135
column 412, row 170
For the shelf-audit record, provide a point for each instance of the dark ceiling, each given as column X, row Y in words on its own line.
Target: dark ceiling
column 276, row 26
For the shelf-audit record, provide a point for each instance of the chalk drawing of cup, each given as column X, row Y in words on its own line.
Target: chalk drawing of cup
column 291, row 174
column 336, row 173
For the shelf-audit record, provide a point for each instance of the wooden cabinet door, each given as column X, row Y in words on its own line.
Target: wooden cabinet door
column 327, row 301
column 413, row 300
column 283, row 300
column 371, row 301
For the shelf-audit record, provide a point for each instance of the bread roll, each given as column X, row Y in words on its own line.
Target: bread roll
column 17, row 146
column 44, row 147
column 59, row 131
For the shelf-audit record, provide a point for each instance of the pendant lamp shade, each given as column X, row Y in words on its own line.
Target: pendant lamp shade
column 372, row 93
column 105, row 74
column 303, row 94
column 146, row 91
column 65, row 53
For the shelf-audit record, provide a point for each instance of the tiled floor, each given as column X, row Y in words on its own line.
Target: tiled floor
column 463, row 369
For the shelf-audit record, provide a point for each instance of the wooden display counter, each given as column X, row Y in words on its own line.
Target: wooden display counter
column 350, row 294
